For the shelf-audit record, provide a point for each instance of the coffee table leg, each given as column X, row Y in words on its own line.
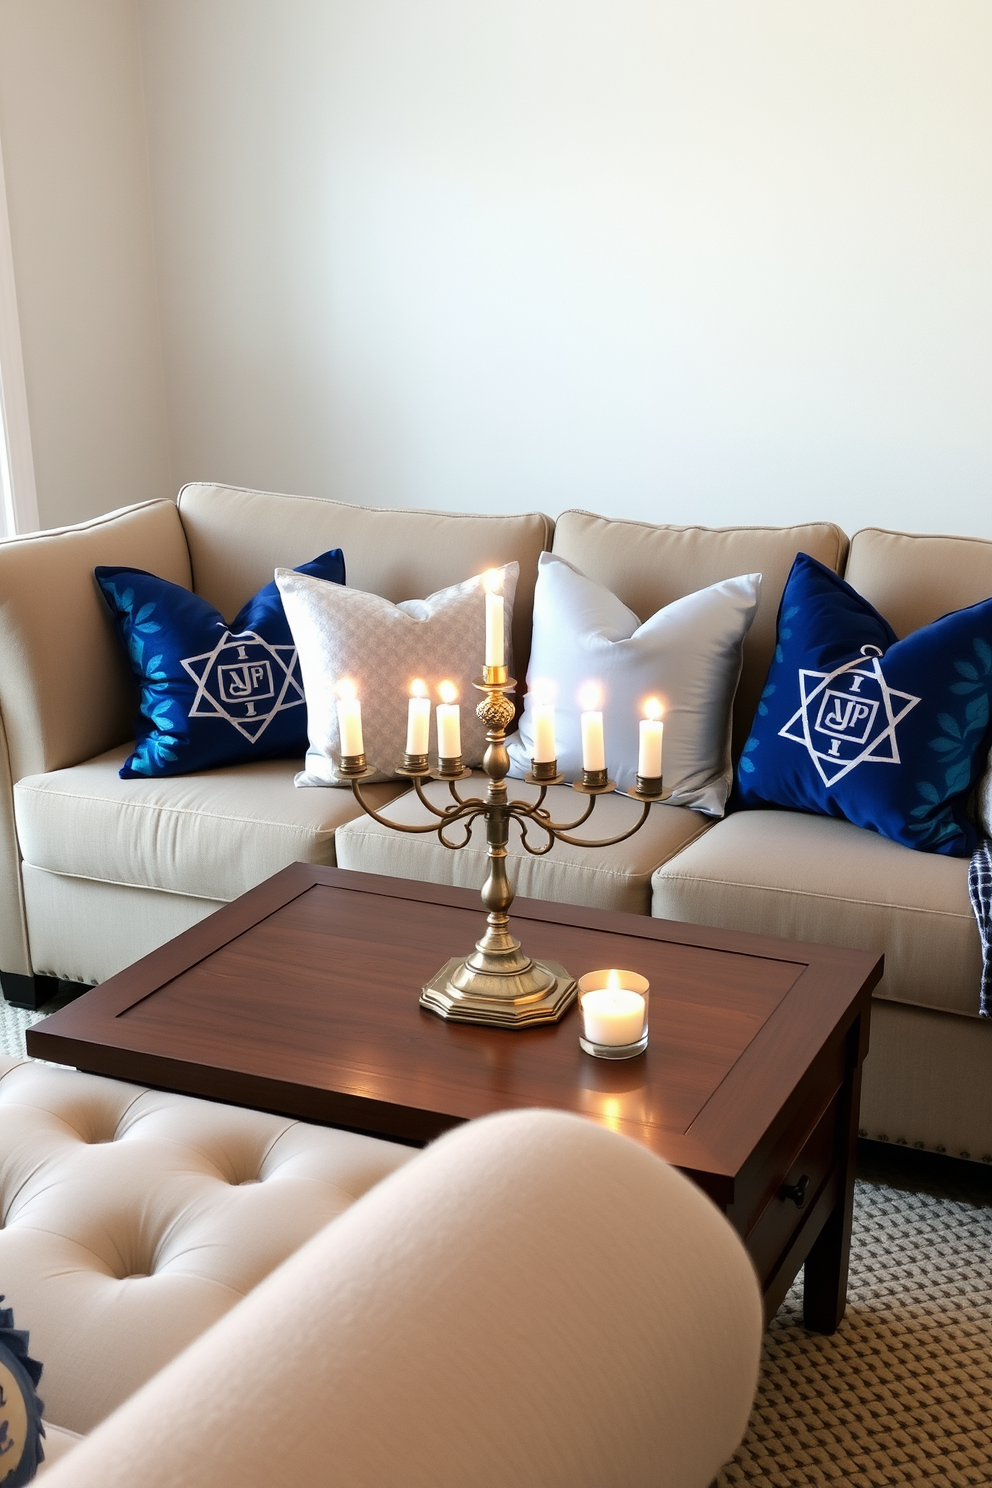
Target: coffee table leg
column 825, row 1275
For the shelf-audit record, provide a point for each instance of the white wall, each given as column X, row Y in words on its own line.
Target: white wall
column 75, row 162
column 672, row 259
column 689, row 260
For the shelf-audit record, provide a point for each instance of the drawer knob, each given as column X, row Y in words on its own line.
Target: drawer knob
column 795, row 1191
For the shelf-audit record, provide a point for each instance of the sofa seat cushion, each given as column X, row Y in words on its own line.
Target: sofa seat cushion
column 600, row 878
column 133, row 1219
column 816, row 878
column 211, row 835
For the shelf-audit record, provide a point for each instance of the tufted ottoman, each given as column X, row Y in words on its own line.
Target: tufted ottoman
column 133, row 1219
column 532, row 1300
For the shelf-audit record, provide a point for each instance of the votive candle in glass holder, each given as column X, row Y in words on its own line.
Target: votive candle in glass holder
column 613, row 1008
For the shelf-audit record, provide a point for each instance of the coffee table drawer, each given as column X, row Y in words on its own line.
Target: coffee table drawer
column 795, row 1197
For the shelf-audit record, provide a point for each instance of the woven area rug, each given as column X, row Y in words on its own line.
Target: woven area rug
column 13, row 1024
column 902, row 1392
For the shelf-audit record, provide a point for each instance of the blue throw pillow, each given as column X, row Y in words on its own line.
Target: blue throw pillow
column 211, row 694
column 889, row 734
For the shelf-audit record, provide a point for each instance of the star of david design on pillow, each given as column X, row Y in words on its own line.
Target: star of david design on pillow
column 245, row 681
column 844, row 695
column 210, row 693
column 848, row 723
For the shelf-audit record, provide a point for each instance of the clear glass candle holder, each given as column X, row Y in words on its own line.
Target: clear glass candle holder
column 613, row 1009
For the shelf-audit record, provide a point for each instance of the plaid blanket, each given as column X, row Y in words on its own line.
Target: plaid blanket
column 980, row 889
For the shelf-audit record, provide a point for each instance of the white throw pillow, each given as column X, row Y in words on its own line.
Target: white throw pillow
column 688, row 655
column 382, row 647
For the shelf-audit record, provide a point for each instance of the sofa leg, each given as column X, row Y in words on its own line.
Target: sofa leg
column 28, row 991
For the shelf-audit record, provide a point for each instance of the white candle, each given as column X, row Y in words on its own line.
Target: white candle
column 418, row 720
column 349, row 719
column 593, row 747
column 543, row 721
column 495, row 654
column 449, row 724
column 591, row 725
column 613, row 1016
column 650, row 735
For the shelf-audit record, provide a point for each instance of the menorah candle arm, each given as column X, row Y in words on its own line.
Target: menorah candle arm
column 446, row 813
column 536, row 852
column 449, row 815
column 559, row 827
column 605, row 841
column 464, row 800
column 468, row 817
column 520, row 807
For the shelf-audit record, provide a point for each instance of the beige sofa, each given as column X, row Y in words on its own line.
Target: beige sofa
column 95, row 871
column 533, row 1300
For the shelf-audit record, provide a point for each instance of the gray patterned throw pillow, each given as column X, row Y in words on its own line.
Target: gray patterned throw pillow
column 345, row 634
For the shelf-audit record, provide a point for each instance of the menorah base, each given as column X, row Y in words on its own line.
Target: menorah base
column 542, row 993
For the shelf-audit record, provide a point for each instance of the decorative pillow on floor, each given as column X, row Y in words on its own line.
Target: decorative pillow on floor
column 21, row 1427
column 345, row 635
column 688, row 655
column 855, row 723
column 211, row 694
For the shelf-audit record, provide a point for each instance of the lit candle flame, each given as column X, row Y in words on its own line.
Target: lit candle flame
column 543, row 692
column 590, row 697
column 613, row 981
column 448, row 692
column 347, row 690
column 418, row 687
column 653, row 709
column 492, row 580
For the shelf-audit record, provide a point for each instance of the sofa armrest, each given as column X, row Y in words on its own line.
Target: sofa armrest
column 66, row 691
column 65, row 687
column 533, row 1300
column 14, row 953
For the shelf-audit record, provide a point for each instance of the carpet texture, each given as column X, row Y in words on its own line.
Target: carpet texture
column 902, row 1392
column 14, row 1023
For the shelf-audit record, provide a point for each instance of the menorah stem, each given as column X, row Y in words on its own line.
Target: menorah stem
column 497, row 891
column 499, row 984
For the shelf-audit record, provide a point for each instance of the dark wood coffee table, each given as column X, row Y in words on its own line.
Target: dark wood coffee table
column 301, row 998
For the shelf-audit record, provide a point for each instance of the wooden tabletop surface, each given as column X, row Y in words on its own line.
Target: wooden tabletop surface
column 302, row 997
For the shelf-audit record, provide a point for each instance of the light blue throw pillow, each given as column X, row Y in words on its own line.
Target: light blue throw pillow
column 688, row 655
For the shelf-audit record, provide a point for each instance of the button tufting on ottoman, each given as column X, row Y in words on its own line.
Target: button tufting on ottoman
column 132, row 1219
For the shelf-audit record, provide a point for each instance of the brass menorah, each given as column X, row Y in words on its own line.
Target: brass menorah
column 499, row 985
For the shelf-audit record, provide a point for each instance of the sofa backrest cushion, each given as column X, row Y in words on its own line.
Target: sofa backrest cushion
column 237, row 538
column 648, row 566
column 913, row 579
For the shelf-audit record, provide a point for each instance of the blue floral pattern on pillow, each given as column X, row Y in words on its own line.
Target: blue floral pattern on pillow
column 890, row 734
column 209, row 694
